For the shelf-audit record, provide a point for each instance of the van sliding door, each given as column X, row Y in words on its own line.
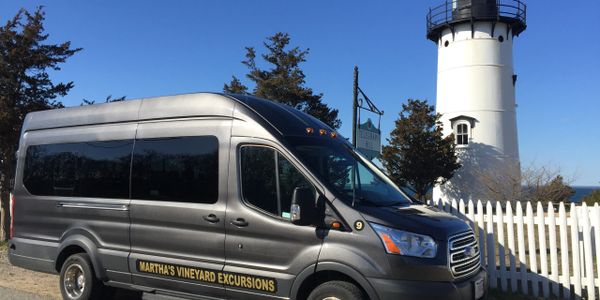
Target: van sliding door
column 178, row 186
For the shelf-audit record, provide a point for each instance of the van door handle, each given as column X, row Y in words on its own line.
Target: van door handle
column 239, row 222
column 211, row 218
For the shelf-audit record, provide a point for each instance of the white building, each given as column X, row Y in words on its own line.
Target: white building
column 476, row 92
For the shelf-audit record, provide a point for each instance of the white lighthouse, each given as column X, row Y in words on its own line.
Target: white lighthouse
column 476, row 92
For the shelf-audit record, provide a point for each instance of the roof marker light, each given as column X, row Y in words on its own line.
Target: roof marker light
column 322, row 131
column 333, row 134
column 309, row 130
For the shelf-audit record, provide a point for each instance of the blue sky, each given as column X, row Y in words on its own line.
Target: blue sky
column 150, row 48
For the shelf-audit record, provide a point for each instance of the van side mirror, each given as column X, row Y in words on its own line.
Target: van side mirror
column 304, row 209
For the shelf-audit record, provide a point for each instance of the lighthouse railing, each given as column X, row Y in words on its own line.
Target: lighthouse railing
column 451, row 11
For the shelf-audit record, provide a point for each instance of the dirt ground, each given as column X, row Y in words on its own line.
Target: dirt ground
column 11, row 277
column 38, row 285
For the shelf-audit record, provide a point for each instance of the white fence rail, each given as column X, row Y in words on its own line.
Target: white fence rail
column 536, row 250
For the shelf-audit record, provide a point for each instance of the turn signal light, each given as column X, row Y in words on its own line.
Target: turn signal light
column 389, row 244
column 336, row 225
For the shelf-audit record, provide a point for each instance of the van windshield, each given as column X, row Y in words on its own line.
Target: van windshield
column 354, row 179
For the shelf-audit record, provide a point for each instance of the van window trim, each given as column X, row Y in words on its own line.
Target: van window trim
column 282, row 153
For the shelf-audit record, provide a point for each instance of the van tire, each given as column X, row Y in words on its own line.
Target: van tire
column 83, row 283
column 342, row 290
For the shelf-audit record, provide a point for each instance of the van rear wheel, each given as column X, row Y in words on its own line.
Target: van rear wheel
column 336, row 290
column 77, row 279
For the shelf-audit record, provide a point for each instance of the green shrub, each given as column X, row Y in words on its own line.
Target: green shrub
column 591, row 198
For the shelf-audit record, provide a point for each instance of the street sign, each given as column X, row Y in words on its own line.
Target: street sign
column 368, row 139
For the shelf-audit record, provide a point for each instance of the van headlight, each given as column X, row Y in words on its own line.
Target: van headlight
column 406, row 243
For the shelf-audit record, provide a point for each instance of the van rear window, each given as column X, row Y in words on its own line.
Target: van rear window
column 179, row 169
column 89, row 169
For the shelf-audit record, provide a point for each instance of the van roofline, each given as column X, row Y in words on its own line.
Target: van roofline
column 124, row 111
column 271, row 115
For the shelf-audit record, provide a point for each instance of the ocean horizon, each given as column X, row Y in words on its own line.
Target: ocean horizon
column 582, row 191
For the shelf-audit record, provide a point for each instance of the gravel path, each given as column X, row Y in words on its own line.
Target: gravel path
column 25, row 284
column 10, row 294
column 18, row 283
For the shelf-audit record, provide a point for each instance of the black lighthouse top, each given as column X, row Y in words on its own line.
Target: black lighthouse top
column 453, row 12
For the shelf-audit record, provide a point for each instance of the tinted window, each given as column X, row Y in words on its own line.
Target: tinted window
column 258, row 178
column 104, row 169
column 182, row 169
column 289, row 179
column 92, row 169
column 268, row 180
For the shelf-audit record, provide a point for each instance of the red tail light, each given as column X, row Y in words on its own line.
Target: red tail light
column 12, row 215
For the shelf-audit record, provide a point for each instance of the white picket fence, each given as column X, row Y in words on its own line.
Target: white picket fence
column 545, row 254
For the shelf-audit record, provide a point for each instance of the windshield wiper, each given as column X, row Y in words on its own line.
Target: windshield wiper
column 362, row 200
column 397, row 203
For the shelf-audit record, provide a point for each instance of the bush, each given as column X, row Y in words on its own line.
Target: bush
column 591, row 198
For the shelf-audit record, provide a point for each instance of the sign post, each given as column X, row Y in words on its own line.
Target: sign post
column 365, row 137
column 354, row 105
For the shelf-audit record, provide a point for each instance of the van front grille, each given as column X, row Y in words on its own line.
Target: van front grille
column 463, row 254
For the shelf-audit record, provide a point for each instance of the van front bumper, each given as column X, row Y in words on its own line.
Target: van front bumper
column 424, row 290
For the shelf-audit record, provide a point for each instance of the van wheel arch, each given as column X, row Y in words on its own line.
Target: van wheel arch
column 79, row 244
column 312, row 277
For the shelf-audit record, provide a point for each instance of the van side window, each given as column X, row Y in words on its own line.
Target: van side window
column 89, row 169
column 268, row 180
column 179, row 169
column 103, row 169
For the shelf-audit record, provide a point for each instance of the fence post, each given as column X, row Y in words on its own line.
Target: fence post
column 596, row 226
column 543, row 249
column 532, row 250
column 575, row 252
column 501, row 246
column 491, row 245
column 480, row 231
column 454, row 207
column 521, row 247
column 553, row 250
column 510, row 226
column 564, row 251
column 587, row 249
column 471, row 208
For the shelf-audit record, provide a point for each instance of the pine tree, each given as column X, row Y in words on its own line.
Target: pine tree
column 235, row 87
column 418, row 155
column 285, row 81
column 25, row 86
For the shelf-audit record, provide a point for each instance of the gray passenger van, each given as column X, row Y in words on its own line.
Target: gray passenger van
column 213, row 196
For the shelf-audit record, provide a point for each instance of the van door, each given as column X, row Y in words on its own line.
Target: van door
column 264, row 251
column 178, row 186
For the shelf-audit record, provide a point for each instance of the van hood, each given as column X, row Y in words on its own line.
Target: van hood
column 416, row 218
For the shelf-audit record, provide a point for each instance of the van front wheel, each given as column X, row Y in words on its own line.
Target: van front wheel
column 77, row 280
column 336, row 290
